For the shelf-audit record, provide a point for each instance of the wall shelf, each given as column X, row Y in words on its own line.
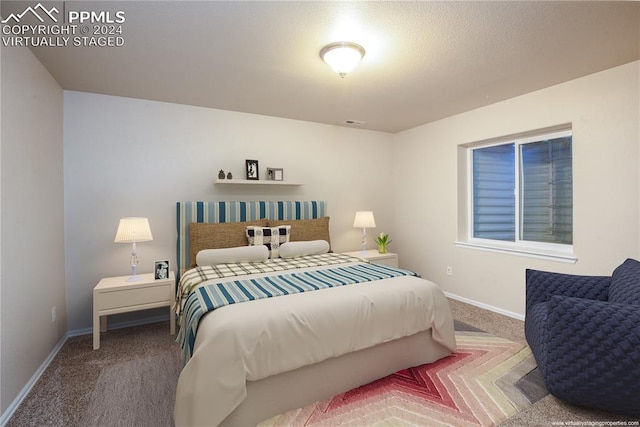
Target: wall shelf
column 254, row 182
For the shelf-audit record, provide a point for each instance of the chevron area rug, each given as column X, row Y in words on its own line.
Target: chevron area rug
column 485, row 382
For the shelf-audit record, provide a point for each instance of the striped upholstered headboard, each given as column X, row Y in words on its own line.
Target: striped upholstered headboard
column 215, row 212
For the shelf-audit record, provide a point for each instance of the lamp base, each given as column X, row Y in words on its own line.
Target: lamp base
column 134, row 265
column 364, row 239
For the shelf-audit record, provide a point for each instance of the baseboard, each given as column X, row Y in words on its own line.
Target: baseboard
column 120, row 325
column 485, row 306
column 11, row 409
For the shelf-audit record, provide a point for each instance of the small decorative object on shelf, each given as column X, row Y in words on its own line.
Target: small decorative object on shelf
column 383, row 240
column 229, row 176
column 275, row 174
column 252, row 169
column 161, row 270
column 221, row 174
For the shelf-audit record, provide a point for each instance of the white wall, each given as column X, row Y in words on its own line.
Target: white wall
column 32, row 263
column 603, row 109
column 127, row 157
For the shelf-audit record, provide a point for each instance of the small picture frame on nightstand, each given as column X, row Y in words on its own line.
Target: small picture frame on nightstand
column 161, row 270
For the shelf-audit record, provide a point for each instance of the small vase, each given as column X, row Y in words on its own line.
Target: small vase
column 221, row 174
column 382, row 249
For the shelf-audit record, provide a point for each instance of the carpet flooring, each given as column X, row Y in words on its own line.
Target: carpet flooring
column 115, row 396
column 131, row 380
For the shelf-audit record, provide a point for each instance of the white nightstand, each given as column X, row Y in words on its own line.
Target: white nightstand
column 374, row 256
column 115, row 295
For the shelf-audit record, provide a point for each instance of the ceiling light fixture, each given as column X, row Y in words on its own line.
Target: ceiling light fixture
column 342, row 57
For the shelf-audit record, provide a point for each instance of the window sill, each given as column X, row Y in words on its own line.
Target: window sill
column 564, row 257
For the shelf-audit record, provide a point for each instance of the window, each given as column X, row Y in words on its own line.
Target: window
column 521, row 192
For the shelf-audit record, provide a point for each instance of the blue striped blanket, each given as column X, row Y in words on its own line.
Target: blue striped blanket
column 196, row 276
column 210, row 296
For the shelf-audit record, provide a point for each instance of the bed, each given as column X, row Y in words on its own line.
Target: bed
column 312, row 323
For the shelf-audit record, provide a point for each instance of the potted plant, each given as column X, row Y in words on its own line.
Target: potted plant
column 383, row 240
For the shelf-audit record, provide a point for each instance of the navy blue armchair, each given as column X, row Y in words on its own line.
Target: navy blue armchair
column 584, row 332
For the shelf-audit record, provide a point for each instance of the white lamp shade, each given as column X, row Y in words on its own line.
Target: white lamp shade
column 132, row 230
column 364, row 219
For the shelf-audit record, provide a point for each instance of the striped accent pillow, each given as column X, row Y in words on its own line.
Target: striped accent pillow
column 271, row 237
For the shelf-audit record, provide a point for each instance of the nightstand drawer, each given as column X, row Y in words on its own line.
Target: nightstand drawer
column 391, row 262
column 136, row 296
column 375, row 257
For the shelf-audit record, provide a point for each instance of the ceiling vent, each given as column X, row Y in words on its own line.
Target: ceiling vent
column 355, row 122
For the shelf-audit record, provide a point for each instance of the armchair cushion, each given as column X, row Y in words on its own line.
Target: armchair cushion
column 625, row 283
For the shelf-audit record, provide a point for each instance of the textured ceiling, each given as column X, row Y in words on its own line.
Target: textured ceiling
column 424, row 60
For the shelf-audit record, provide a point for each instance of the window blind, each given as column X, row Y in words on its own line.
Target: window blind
column 494, row 204
column 547, row 191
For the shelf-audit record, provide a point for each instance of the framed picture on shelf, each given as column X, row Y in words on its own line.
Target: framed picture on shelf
column 161, row 270
column 252, row 169
column 275, row 174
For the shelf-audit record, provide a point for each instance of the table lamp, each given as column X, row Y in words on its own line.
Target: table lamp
column 133, row 230
column 364, row 220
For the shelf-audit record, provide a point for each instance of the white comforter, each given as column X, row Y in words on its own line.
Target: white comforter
column 254, row 340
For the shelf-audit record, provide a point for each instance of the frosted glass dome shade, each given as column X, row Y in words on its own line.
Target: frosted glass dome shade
column 342, row 57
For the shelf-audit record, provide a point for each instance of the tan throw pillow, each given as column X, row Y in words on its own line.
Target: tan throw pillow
column 218, row 235
column 306, row 229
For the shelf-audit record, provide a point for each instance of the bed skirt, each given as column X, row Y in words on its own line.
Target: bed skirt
column 290, row 390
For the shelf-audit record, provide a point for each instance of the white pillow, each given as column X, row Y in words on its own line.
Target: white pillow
column 227, row 255
column 311, row 247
